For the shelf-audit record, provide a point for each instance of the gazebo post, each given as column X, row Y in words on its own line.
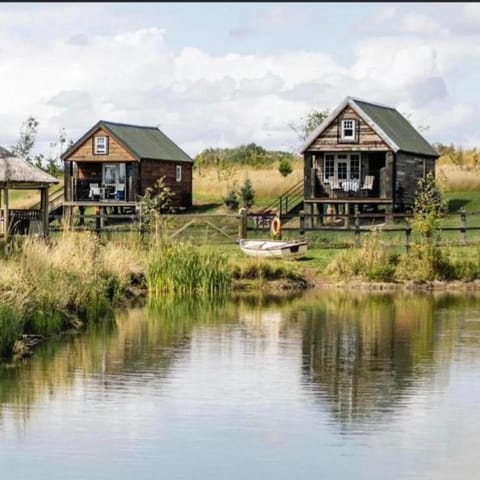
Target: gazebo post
column 44, row 210
column 5, row 212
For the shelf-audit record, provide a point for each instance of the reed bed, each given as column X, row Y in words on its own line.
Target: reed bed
column 61, row 285
column 179, row 269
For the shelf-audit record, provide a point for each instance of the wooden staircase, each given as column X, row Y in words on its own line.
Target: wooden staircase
column 55, row 203
column 289, row 203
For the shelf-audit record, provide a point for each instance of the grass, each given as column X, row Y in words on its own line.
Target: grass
column 210, row 188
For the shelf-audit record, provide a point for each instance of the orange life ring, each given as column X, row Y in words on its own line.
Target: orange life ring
column 275, row 227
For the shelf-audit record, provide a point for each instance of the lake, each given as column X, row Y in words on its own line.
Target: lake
column 328, row 385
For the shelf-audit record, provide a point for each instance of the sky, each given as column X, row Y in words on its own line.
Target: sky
column 226, row 74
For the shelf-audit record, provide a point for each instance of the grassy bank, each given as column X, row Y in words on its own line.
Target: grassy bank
column 46, row 289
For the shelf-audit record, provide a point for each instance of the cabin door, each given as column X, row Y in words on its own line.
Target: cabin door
column 342, row 169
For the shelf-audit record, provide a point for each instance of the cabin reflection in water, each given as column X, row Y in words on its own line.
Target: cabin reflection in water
column 363, row 355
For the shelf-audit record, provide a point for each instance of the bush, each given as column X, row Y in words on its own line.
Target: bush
column 285, row 167
column 231, row 200
column 247, row 194
column 369, row 262
column 425, row 262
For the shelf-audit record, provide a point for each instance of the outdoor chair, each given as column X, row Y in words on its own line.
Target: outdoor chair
column 367, row 186
column 335, row 187
column 120, row 191
column 94, row 191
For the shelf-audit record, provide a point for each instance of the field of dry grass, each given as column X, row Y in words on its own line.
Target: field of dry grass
column 452, row 178
column 268, row 183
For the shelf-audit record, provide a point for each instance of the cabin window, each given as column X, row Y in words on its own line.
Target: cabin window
column 100, row 145
column 178, row 173
column 347, row 130
column 113, row 173
column 355, row 167
column 342, row 166
column 329, row 167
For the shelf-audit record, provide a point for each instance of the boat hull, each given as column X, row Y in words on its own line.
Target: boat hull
column 273, row 248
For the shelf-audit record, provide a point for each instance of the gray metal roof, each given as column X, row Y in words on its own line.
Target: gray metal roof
column 397, row 127
column 144, row 142
column 397, row 132
column 15, row 170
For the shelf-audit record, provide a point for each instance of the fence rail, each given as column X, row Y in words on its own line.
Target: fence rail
column 228, row 228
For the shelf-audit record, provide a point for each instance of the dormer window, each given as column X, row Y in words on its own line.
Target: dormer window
column 347, row 130
column 100, row 145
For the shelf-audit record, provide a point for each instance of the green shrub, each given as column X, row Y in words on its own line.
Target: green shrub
column 247, row 194
column 285, row 167
column 231, row 200
column 425, row 262
column 369, row 262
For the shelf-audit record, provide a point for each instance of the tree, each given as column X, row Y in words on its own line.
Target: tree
column 25, row 143
column 309, row 123
column 155, row 200
column 54, row 166
column 428, row 207
column 247, row 194
column 231, row 199
column 285, row 167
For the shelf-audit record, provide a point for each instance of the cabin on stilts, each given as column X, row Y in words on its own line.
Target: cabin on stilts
column 364, row 156
column 18, row 174
column 113, row 164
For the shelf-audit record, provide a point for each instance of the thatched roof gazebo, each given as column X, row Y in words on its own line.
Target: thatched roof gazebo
column 18, row 174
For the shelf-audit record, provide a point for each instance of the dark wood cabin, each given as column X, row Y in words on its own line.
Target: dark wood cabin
column 364, row 155
column 114, row 163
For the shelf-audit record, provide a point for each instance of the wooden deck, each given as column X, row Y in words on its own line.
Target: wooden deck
column 99, row 203
column 350, row 200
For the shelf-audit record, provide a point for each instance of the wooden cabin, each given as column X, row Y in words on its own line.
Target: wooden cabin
column 364, row 155
column 18, row 174
column 112, row 164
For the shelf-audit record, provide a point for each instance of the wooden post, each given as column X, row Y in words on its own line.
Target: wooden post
column 347, row 215
column 388, row 214
column 242, row 229
column 302, row 224
column 408, row 233
column 98, row 220
column 5, row 213
column 357, row 229
column 463, row 230
column 44, row 211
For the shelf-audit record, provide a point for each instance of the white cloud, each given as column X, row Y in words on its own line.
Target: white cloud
column 201, row 99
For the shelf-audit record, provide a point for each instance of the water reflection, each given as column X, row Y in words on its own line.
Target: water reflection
column 363, row 354
column 268, row 377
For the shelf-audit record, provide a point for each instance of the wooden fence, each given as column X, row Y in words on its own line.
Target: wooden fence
column 228, row 228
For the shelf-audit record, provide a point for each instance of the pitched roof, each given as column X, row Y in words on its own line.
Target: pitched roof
column 18, row 171
column 142, row 141
column 397, row 132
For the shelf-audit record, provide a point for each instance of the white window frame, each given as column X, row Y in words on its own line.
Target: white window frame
column 344, row 127
column 341, row 157
column 118, row 173
column 178, row 173
column 98, row 148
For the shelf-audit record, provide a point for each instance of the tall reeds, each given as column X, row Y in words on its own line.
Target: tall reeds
column 182, row 269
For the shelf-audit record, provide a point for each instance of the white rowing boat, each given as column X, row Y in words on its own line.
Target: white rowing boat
column 273, row 248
